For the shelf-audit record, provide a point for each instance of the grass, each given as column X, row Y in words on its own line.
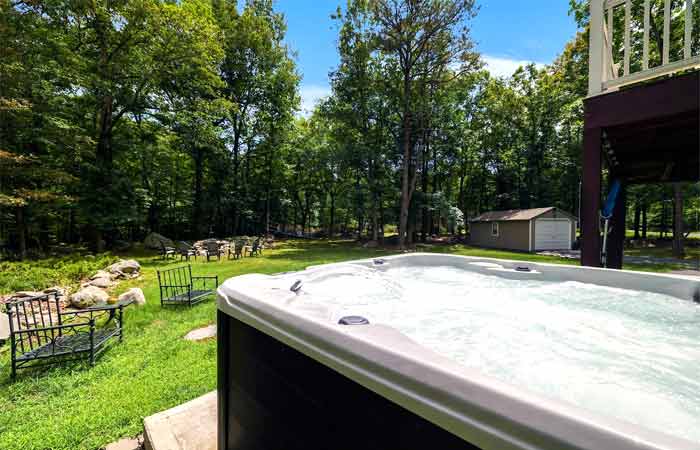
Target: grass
column 41, row 274
column 76, row 407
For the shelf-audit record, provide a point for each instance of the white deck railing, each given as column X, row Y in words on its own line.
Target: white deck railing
column 607, row 73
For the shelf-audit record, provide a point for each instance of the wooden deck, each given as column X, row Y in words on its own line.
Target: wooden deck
column 649, row 133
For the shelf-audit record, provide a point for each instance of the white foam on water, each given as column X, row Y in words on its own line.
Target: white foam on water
column 631, row 354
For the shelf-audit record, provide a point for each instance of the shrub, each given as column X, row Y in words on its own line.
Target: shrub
column 43, row 273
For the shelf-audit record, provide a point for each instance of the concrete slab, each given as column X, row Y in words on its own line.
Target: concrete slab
column 190, row 426
column 201, row 333
column 127, row 444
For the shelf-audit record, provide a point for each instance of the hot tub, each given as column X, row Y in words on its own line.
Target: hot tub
column 429, row 351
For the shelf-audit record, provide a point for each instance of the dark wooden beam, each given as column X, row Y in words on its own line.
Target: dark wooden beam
column 590, row 197
column 670, row 97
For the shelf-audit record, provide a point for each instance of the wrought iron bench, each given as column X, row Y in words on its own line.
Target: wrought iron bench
column 179, row 287
column 42, row 335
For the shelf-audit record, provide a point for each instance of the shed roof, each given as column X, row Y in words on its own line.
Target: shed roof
column 514, row 214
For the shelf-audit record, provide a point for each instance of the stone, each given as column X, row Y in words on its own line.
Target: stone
column 101, row 274
column 25, row 294
column 89, row 296
column 59, row 290
column 103, row 282
column 135, row 295
column 201, row 333
column 155, row 241
column 4, row 326
column 124, row 266
column 127, row 444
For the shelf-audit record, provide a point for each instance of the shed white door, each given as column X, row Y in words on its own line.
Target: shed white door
column 552, row 234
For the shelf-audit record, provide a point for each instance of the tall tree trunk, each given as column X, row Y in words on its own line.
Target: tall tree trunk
column 360, row 205
column 405, row 164
column 644, row 220
column 662, row 231
column 678, row 250
column 426, row 223
column 236, row 175
column 405, row 188
column 197, row 198
column 268, row 187
column 637, row 217
column 331, row 226
column 21, row 232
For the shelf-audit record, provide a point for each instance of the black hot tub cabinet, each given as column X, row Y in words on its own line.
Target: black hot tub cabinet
column 290, row 381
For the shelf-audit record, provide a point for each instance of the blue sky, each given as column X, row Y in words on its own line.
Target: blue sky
column 508, row 33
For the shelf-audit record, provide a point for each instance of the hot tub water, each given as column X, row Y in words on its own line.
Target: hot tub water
column 631, row 354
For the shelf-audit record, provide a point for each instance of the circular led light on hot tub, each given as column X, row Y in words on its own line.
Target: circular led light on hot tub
column 353, row 320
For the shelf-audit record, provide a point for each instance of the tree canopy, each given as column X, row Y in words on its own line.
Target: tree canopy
column 125, row 117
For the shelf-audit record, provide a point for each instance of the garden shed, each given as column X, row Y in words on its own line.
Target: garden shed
column 524, row 229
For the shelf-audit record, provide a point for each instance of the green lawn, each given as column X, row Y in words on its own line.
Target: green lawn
column 76, row 407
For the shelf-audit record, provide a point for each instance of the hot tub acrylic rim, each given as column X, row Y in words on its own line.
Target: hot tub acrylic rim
column 480, row 409
column 680, row 286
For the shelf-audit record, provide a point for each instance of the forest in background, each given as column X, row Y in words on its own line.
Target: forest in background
column 125, row 117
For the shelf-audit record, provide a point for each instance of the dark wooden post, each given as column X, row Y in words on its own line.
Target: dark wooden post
column 616, row 238
column 590, row 197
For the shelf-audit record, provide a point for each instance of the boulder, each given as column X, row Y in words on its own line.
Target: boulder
column 4, row 326
column 58, row 290
column 26, row 294
column 125, row 267
column 155, row 241
column 102, row 282
column 101, row 274
column 88, row 296
column 201, row 333
column 135, row 295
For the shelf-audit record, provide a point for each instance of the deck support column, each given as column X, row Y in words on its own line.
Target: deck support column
column 616, row 238
column 590, row 197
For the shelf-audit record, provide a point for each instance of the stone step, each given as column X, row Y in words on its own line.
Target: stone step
column 190, row 426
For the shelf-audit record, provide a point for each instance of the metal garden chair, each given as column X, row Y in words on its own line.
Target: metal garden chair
column 42, row 335
column 179, row 287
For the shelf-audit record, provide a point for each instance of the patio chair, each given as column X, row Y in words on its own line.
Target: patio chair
column 185, row 250
column 167, row 252
column 41, row 334
column 234, row 250
column 255, row 249
column 213, row 249
column 179, row 287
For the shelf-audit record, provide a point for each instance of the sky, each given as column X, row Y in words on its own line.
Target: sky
column 508, row 33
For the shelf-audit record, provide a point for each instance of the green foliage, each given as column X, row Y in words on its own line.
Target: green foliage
column 132, row 116
column 38, row 275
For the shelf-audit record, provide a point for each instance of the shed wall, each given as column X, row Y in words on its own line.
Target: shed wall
column 513, row 235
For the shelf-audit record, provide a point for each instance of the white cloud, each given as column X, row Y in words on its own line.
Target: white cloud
column 505, row 67
column 310, row 96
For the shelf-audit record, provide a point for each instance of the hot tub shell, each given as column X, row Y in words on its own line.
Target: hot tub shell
column 288, row 380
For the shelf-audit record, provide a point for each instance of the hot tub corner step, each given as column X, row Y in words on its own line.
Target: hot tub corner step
column 190, row 426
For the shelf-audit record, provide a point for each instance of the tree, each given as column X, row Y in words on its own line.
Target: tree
column 423, row 39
